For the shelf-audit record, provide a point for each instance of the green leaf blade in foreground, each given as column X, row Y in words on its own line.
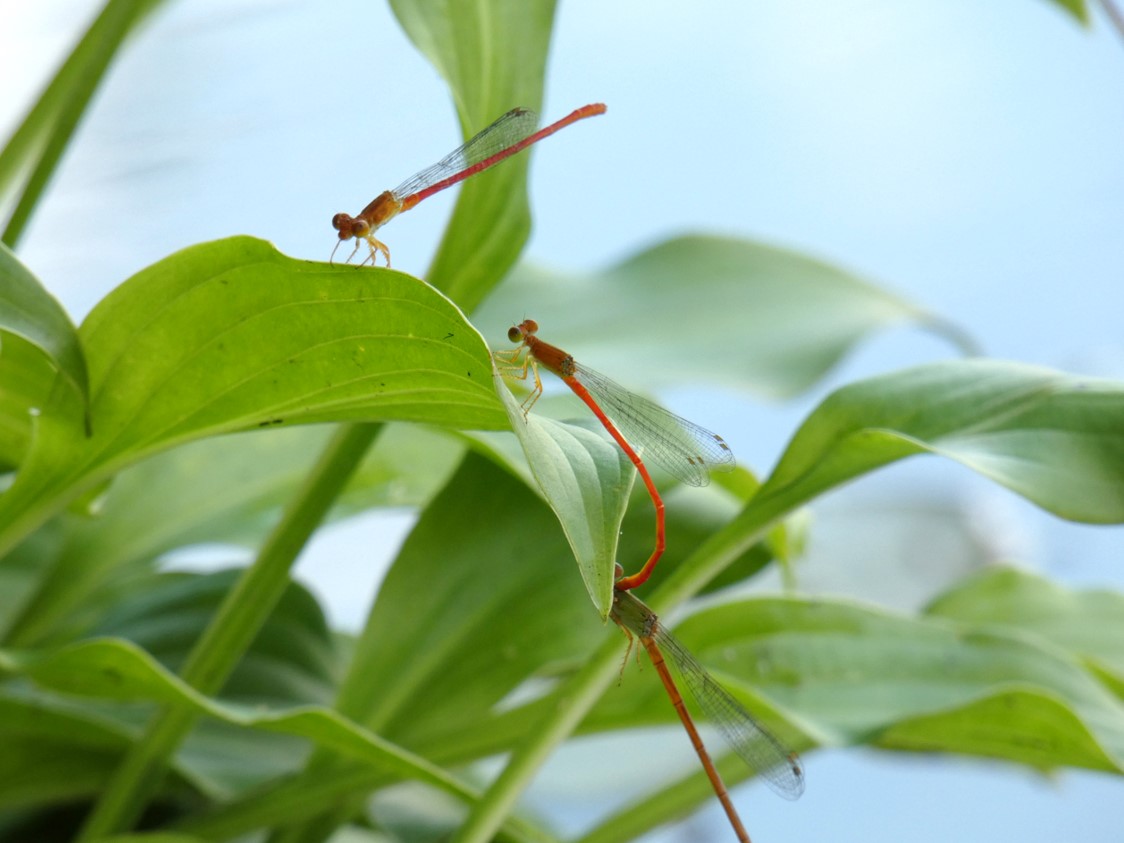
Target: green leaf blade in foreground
column 769, row 320
column 1055, row 439
column 493, row 57
column 586, row 479
column 29, row 311
column 245, row 337
column 241, row 337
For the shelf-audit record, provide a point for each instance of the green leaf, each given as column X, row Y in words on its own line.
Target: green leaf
column 29, row 311
column 1026, row 727
column 586, row 479
column 1053, row 438
column 244, row 338
column 290, row 661
column 843, row 674
column 775, row 321
column 480, row 602
column 26, row 378
column 248, row 338
column 427, row 664
column 858, row 670
column 493, row 56
column 829, row 672
column 1085, row 624
column 227, row 489
column 53, row 752
column 117, row 670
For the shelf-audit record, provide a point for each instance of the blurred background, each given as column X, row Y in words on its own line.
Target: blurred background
column 965, row 155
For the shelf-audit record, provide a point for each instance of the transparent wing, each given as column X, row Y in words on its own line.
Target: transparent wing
column 682, row 448
column 757, row 747
column 754, row 744
column 517, row 124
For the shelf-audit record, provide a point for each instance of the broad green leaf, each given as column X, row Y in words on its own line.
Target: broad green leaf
column 493, row 56
column 853, row 670
column 1024, row 726
column 29, row 311
column 586, row 479
column 427, row 663
column 290, row 661
column 228, row 489
column 771, row 320
column 1053, row 438
column 248, row 338
column 1085, row 624
column 244, row 338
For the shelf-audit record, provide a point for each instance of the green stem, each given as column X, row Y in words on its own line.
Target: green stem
column 49, row 127
column 579, row 694
column 230, row 633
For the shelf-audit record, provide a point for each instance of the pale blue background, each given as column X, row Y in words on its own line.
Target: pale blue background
column 967, row 155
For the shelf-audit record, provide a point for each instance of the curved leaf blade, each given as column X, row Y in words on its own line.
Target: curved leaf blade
column 1083, row 623
column 586, row 479
column 466, row 614
column 776, row 321
column 117, row 670
column 241, row 338
column 246, row 337
column 848, row 674
column 1024, row 726
column 29, row 311
column 26, row 379
column 1055, row 439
